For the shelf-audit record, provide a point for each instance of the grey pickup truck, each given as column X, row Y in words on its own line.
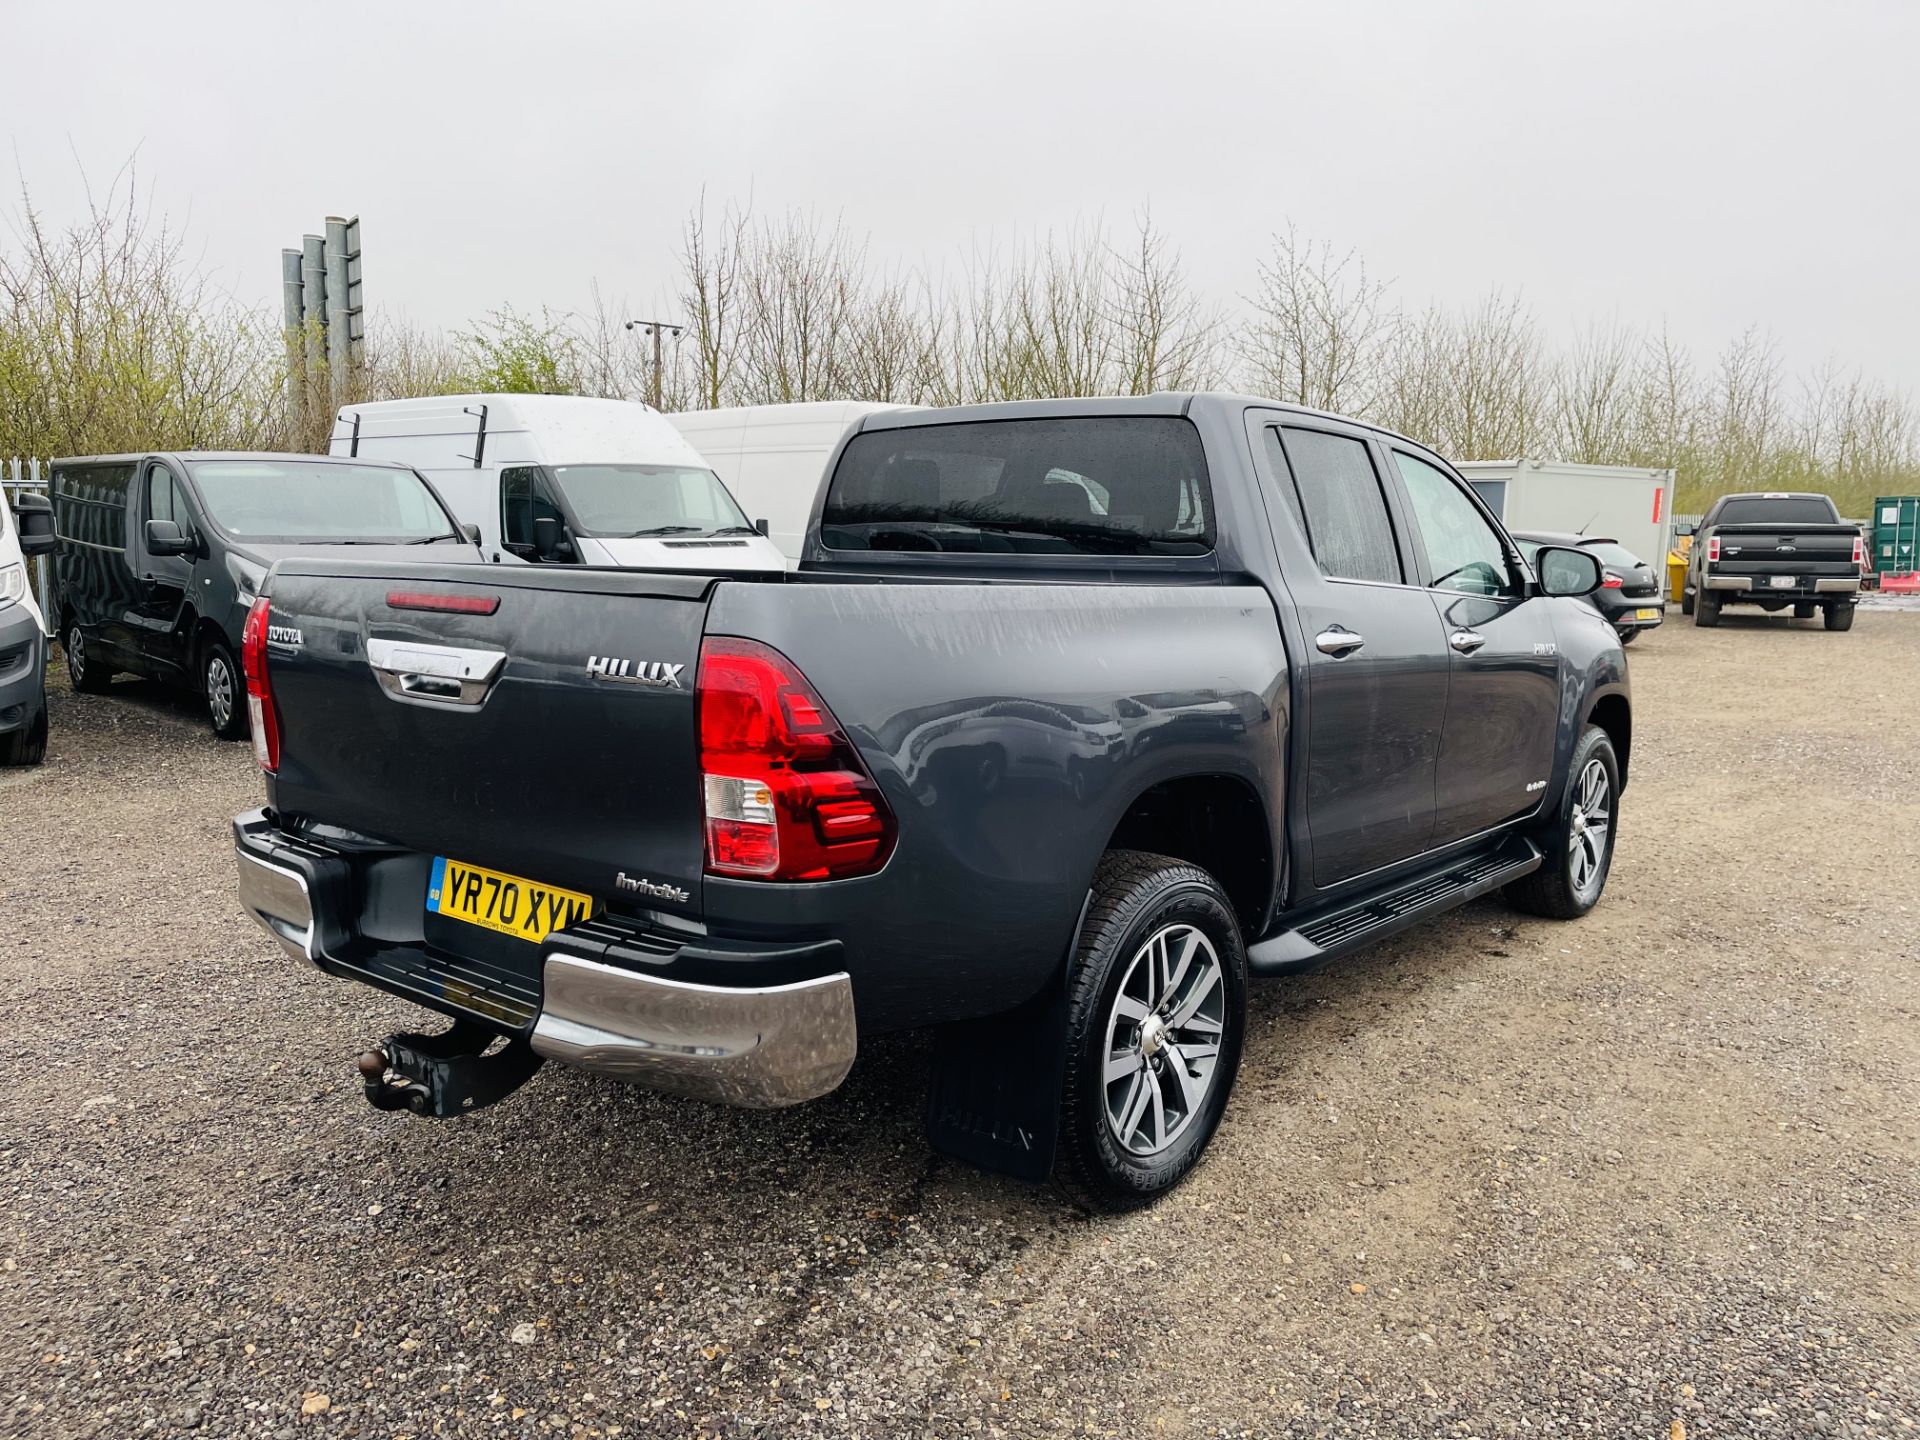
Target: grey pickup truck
column 1075, row 716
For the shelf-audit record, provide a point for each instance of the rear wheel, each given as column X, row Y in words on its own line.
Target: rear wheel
column 1840, row 617
column 28, row 746
column 1579, row 840
column 1629, row 634
column 1706, row 609
column 1156, row 1012
column 223, row 690
column 89, row 674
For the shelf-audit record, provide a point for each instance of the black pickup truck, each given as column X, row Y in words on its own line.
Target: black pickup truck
column 1774, row 550
column 1075, row 715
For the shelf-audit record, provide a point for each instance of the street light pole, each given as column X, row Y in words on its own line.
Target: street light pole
column 655, row 329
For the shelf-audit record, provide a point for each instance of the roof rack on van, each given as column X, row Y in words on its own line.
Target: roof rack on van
column 480, row 440
column 353, row 445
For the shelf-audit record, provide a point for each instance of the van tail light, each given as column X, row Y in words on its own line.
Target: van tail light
column 263, row 716
column 787, row 797
column 1713, row 549
column 1859, row 552
column 1612, row 582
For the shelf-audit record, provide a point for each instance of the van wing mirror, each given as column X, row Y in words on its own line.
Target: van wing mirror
column 165, row 537
column 33, row 518
column 1564, row 570
column 760, row 527
column 472, row 532
column 549, row 538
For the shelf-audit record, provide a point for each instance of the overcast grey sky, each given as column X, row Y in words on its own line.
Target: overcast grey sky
column 1711, row 163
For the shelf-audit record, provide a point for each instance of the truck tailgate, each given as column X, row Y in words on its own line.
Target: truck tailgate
column 546, row 731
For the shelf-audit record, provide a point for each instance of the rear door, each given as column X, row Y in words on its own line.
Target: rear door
column 1376, row 662
column 1503, row 705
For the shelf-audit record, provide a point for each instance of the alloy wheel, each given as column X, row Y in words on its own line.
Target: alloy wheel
column 1163, row 1039
column 1591, row 830
column 76, row 656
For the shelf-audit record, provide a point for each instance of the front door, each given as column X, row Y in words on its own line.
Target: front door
column 157, row 631
column 1376, row 659
column 1503, row 708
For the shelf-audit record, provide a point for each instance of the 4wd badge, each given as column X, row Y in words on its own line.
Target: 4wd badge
column 656, row 673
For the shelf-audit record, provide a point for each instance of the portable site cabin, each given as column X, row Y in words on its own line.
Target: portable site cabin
column 773, row 457
column 1626, row 503
column 564, row 479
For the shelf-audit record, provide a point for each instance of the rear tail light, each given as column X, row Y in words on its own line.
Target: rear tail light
column 1612, row 582
column 263, row 716
column 1713, row 549
column 1859, row 552
column 787, row 797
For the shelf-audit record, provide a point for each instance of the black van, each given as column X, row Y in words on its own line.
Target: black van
column 160, row 556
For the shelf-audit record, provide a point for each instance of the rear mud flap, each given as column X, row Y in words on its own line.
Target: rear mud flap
column 995, row 1097
column 447, row 1074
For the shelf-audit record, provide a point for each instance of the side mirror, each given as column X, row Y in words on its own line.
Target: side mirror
column 33, row 516
column 1564, row 570
column 165, row 537
column 760, row 526
column 472, row 532
column 549, row 538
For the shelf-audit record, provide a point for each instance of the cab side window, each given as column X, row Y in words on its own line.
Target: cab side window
column 1466, row 554
column 160, row 501
column 523, row 500
column 1339, row 502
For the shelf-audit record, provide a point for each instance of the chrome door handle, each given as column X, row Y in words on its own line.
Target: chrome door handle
column 1337, row 641
column 1466, row 641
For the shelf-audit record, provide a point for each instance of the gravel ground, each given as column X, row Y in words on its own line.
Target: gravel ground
column 1649, row 1174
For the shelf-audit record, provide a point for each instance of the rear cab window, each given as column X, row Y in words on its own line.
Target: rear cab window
column 1778, row 510
column 1338, row 501
column 1105, row 485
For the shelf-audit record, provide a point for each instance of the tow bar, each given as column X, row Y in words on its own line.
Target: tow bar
column 443, row 1075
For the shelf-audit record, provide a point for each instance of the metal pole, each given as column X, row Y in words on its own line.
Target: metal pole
column 654, row 328
column 292, row 319
column 355, row 303
column 313, row 280
column 338, row 367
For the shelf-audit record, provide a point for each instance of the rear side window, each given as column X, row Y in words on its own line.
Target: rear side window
column 1761, row 510
column 90, row 504
column 1094, row 485
column 1344, row 507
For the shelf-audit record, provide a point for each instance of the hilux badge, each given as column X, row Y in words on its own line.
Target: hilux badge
column 657, row 673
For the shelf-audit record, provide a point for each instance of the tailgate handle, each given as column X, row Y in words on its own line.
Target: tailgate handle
column 434, row 674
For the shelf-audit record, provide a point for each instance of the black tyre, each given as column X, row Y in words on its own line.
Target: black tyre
column 224, row 690
column 28, row 746
column 1630, row 634
column 1706, row 609
column 88, row 674
column 1686, row 601
column 1840, row 617
column 1156, row 1012
column 1578, row 841
column 1803, row 609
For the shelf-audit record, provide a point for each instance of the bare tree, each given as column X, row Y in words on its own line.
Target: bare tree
column 1164, row 337
column 1320, row 330
column 709, row 297
column 1594, row 396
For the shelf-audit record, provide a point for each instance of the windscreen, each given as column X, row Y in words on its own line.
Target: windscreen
column 319, row 502
column 1095, row 484
column 623, row 501
column 1785, row 510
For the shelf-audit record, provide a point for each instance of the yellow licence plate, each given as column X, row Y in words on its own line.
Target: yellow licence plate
column 505, row 903
column 1646, row 614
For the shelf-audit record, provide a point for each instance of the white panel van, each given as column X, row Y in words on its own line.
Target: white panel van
column 564, row 479
column 773, row 457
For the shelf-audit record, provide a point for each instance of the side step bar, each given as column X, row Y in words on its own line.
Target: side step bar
column 1321, row 937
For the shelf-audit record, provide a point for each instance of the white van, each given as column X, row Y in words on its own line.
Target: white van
column 564, row 479
column 773, row 457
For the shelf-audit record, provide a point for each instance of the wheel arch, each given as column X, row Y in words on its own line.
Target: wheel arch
column 1216, row 820
column 1613, row 713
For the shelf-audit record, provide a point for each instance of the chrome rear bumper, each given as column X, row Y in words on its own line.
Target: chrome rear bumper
column 759, row 1047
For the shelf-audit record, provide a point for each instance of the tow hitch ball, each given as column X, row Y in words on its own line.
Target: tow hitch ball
column 442, row 1075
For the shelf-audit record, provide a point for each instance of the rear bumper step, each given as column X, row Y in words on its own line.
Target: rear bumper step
column 1335, row 932
column 750, row 1045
